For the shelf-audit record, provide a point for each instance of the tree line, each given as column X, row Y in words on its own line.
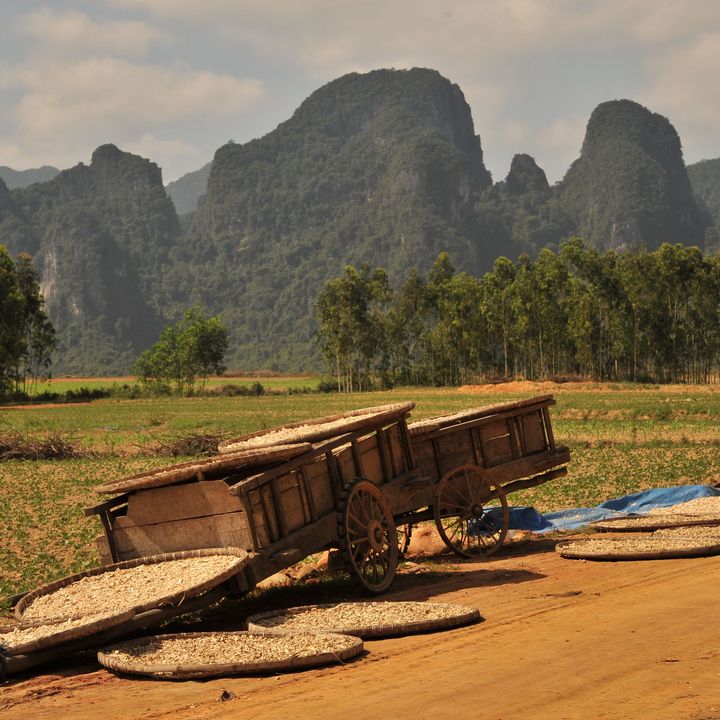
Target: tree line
column 27, row 338
column 632, row 316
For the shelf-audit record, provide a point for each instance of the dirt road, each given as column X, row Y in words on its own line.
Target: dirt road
column 560, row 639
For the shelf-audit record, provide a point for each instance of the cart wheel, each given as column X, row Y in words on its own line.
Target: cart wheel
column 367, row 534
column 404, row 535
column 471, row 513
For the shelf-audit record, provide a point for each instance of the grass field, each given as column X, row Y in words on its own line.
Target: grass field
column 622, row 439
column 269, row 382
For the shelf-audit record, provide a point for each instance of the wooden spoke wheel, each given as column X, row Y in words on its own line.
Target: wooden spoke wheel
column 367, row 534
column 404, row 535
column 471, row 513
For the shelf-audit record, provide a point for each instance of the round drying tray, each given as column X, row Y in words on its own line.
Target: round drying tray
column 317, row 429
column 212, row 654
column 217, row 466
column 137, row 585
column 699, row 532
column 639, row 547
column 365, row 619
column 646, row 523
column 32, row 636
column 429, row 425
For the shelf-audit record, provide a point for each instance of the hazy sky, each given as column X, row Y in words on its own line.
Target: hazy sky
column 173, row 80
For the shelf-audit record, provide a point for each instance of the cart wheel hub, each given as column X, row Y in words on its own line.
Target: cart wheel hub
column 477, row 510
column 376, row 535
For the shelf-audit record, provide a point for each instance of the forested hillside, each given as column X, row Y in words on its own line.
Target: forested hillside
column 705, row 180
column 383, row 168
column 629, row 188
column 100, row 236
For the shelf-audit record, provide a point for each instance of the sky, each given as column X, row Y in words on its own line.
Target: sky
column 172, row 80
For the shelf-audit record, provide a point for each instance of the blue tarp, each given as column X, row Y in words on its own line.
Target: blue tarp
column 527, row 518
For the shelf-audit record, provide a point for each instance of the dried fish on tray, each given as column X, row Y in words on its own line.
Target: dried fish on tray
column 212, row 654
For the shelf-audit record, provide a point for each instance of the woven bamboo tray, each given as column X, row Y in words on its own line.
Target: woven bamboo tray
column 365, row 619
column 175, row 657
column 646, row 523
column 318, row 429
column 30, row 637
column 86, row 595
column 218, row 466
column 428, row 425
column 637, row 547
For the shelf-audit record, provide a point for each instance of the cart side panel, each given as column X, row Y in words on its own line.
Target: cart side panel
column 346, row 465
column 455, row 449
column 281, row 506
column 191, row 516
column 394, row 443
column 263, row 515
column 533, row 430
column 371, row 461
column 292, row 502
column 316, row 474
column 425, row 457
column 498, row 443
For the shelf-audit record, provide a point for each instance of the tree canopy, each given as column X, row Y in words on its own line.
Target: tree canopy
column 191, row 349
column 27, row 338
column 637, row 316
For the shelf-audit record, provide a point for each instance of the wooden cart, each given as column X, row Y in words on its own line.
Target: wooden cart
column 350, row 492
column 475, row 459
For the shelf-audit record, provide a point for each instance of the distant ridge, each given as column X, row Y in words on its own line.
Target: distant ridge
column 383, row 168
column 22, row 178
column 186, row 191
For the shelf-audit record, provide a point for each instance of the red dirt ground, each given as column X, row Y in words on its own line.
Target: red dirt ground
column 560, row 639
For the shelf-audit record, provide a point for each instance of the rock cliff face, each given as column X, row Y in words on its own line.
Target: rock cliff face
column 380, row 168
column 629, row 188
column 100, row 235
column 705, row 180
column 525, row 176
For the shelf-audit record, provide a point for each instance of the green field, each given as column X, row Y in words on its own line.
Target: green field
column 622, row 439
column 269, row 382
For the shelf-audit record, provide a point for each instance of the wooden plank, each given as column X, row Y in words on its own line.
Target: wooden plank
column 515, row 442
column 307, row 495
column 533, row 432
column 498, row 443
column 455, row 450
column 269, row 513
column 345, row 463
column 229, row 530
column 548, row 428
column 324, row 485
column 396, row 450
column 357, row 459
column 515, row 485
column 371, row 459
column 178, row 502
column 277, row 509
column 103, row 548
column 107, row 505
column 290, row 509
column 383, row 453
column 531, row 465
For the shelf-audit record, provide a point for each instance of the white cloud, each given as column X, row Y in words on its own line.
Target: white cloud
column 167, row 153
column 76, row 33
column 685, row 83
column 116, row 93
column 67, row 109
